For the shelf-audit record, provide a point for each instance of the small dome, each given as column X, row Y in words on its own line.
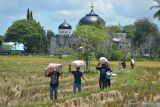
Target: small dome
column 91, row 18
column 65, row 25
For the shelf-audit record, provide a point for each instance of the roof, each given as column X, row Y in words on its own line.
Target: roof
column 65, row 25
column 116, row 39
column 90, row 18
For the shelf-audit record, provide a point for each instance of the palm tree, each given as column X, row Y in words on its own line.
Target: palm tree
column 157, row 13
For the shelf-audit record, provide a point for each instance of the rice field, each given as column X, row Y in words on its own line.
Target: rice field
column 23, row 84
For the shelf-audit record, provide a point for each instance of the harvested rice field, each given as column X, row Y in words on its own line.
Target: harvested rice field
column 23, row 84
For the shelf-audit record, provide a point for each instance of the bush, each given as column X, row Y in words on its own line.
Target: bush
column 115, row 54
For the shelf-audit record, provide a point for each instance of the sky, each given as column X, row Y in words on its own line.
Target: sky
column 52, row 13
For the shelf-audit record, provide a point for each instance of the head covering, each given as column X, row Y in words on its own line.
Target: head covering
column 103, row 60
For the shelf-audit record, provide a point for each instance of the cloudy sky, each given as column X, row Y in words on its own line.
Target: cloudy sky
column 51, row 13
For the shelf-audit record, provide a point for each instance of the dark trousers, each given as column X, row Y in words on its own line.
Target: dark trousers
column 132, row 66
column 75, row 86
column 108, row 82
column 55, row 90
column 102, row 84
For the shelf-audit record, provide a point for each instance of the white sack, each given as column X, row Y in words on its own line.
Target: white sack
column 103, row 60
column 78, row 63
column 53, row 67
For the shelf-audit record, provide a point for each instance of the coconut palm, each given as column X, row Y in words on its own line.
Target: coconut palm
column 157, row 13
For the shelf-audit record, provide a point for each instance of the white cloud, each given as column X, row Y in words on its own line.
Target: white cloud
column 65, row 12
column 51, row 13
column 104, row 7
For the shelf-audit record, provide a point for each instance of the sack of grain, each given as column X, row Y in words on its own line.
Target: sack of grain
column 53, row 67
column 78, row 63
column 114, row 75
column 111, row 74
column 132, row 61
column 103, row 60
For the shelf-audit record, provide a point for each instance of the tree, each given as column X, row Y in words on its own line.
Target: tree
column 64, row 50
column 29, row 15
column 6, row 48
column 129, row 29
column 113, row 29
column 99, row 24
column 50, row 34
column 92, row 39
column 115, row 53
column 30, row 33
column 145, row 35
column 1, row 40
column 157, row 13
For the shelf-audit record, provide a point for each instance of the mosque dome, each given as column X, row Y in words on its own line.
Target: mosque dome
column 65, row 25
column 91, row 18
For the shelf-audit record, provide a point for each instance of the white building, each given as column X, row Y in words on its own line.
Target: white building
column 121, row 40
column 64, row 38
column 17, row 46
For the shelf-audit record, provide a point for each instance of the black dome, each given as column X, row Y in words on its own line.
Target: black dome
column 90, row 18
column 65, row 25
